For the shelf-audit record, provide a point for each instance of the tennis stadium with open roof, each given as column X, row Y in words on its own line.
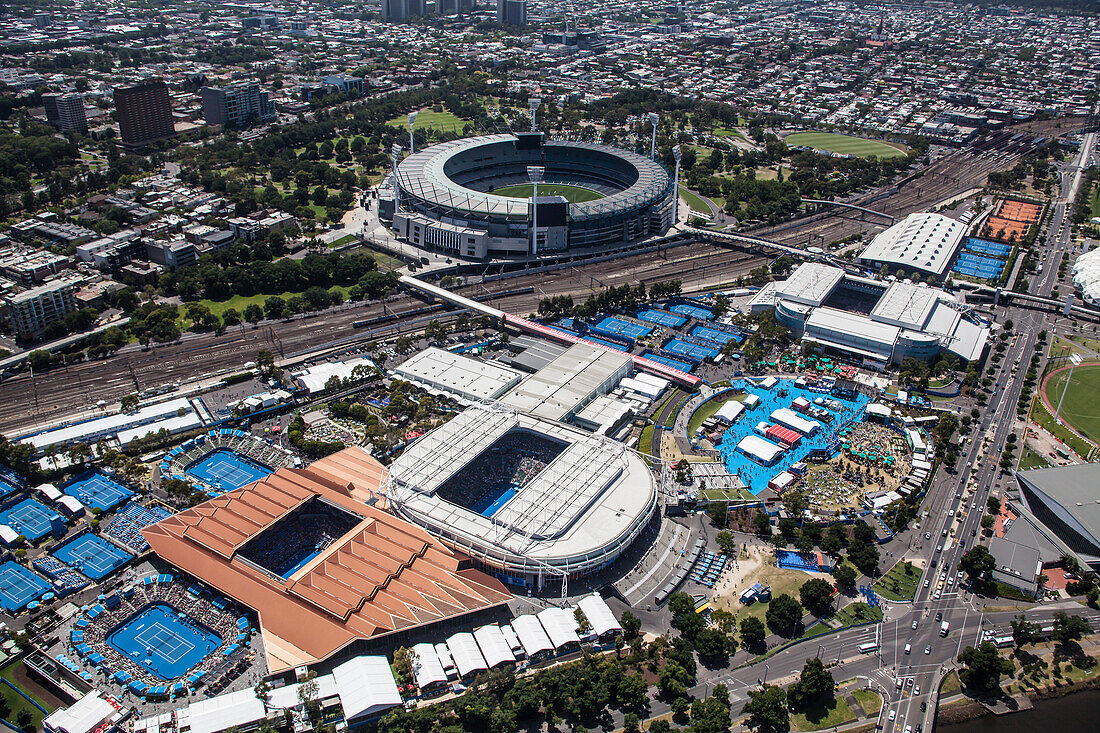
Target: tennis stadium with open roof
column 324, row 569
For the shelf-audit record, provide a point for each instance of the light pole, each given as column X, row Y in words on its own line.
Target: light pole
column 1074, row 360
column 676, row 186
column 534, row 172
column 395, row 155
column 653, row 120
column 533, row 104
column 765, row 682
column 412, row 142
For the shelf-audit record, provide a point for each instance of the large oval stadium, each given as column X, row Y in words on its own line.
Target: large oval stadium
column 472, row 198
column 528, row 499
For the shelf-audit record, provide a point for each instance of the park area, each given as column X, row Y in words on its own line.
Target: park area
column 831, row 142
column 1082, row 396
column 900, row 584
column 572, row 194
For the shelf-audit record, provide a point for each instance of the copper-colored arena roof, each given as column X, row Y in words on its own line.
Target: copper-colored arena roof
column 384, row 575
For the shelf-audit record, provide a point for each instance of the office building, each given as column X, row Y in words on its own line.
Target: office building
column 144, row 113
column 398, row 11
column 66, row 112
column 512, row 12
column 32, row 310
column 238, row 105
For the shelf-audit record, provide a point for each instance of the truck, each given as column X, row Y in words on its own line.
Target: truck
column 944, row 628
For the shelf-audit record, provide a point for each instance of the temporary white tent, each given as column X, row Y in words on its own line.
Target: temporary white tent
column 494, row 647
column 531, row 635
column 366, row 686
column 598, row 613
column 560, row 625
column 467, row 656
column 427, row 669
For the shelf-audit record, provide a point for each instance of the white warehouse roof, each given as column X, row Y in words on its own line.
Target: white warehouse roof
column 316, row 377
column 239, row 709
column 460, row 376
column 560, row 625
column 924, row 242
column 494, row 647
column 83, row 716
column 763, row 450
column 531, row 634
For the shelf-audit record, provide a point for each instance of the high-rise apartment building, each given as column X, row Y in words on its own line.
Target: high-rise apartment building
column 237, row 105
column 32, row 310
column 512, row 12
column 66, row 112
column 397, row 11
column 144, row 113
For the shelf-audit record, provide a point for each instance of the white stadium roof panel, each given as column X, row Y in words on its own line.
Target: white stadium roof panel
column 925, row 242
column 810, row 283
column 461, row 376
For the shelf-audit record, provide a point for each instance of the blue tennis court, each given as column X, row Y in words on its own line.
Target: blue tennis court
column 607, row 343
column 227, row 470
column 9, row 482
column 668, row 361
column 692, row 311
column 164, row 641
column 978, row 266
column 661, row 318
column 985, row 247
column 19, row 586
column 32, row 520
column 715, row 336
column 623, row 329
column 98, row 491
column 94, row 556
column 695, row 352
column 491, row 503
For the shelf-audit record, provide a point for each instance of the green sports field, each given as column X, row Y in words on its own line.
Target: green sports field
column 572, row 194
column 1079, row 408
column 831, row 142
column 428, row 118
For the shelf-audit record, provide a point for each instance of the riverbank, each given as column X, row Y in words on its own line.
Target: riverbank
column 1072, row 710
column 965, row 710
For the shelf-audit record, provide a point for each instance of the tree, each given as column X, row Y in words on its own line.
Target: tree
column 631, row 624
column 978, row 563
column 845, row 576
column 265, row 362
column 129, row 402
column 816, row 594
column 1024, row 632
column 984, row 667
column 712, row 645
column 231, row 317
column 25, row 719
column 814, row 684
column 752, row 631
column 39, row 360
column 727, row 544
column 253, row 313
column 274, row 307
column 712, row 715
column 993, row 503
column 631, row 724
column 864, row 556
column 767, row 710
column 1069, row 628
column 684, row 618
column 784, row 614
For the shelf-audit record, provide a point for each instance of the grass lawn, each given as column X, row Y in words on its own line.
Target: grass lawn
column 728, row 132
column 722, row 494
column 896, row 585
column 1082, row 396
column 386, row 261
column 857, row 613
column 347, row 238
column 645, row 442
column 694, row 201
column 1095, row 204
column 831, row 142
column 869, row 700
column 1031, row 459
column 823, row 715
column 573, row 194
column 427, row 118
column 706, row 410
column 950, row 684
column 240, row 302
column 1040, row 415
column 15, row 701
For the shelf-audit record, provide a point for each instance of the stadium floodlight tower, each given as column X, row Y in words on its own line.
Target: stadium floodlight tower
column 395, row 156
column 534, row 172
column 533, row 104
column 653, row 120
column 676, row 185
column 412, row 142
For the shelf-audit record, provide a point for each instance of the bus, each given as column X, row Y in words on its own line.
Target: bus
column 868, row 647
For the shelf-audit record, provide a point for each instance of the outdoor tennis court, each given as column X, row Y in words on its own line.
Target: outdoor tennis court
column 94, row 556
column 622, row 329
column 695, row 352
column 32, row 520
column 19, row 586
column 715, row 336
column 227, row 470
column 985, row 247
column 978, row 266
column 164, row 641
column 692, row 311
column 668, row 361
column 98, row 491
column 661, row 318
column 8, row 484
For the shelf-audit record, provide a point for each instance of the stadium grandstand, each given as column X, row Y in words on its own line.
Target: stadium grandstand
column 350, row 574
column 223, row 460
column 531, row 500
column 444, row 199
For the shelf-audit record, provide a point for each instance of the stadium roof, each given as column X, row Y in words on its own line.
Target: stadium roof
column 1064, row 499
column 906, row 305
column 578, row 512
column 456, row 375
column 924, row 242
column 569, row 382
column 384, row 575
column 810, row 283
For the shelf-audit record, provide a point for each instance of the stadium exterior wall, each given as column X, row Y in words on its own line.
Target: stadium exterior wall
column 444, row 201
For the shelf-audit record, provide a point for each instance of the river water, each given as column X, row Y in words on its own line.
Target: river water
column 1078, row 712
